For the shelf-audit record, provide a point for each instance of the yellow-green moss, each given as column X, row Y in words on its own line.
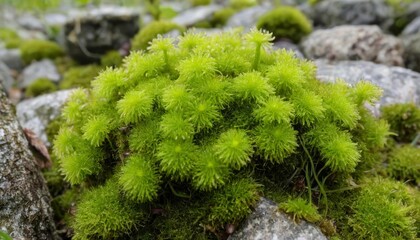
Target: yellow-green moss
column 286, row 22
column 404, row 120
column 196, row 3
column 80, row 76
column 240, row 4
column 33, row 50
column 39, row 87
column 152, row 30
column 10, row 38
column 404, row 164
column 111, row 59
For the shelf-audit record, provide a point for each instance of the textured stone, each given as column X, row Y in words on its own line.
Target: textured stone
column 413, row 27
column 354, row 43
column 399, row 85
column 248, row 17
column 412, row 51
column 194, row 15
column 12, row 58
column 37, row 113
column 5, row 76
column 90, row 34
column 41, row 69
column 268, row 223
column 333, row 13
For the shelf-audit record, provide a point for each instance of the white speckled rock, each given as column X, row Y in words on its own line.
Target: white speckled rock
column 37, row 113
column 194, row 15
column 354, row 43
column 267, row 223
column 41, row 69
column 399, row 85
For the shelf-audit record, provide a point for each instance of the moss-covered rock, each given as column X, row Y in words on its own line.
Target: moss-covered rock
column 152, row 30
column 79, row 76
column 10, row 38
column 39, row 87
column 32, row 50
column 286, row 22
column 240, row 4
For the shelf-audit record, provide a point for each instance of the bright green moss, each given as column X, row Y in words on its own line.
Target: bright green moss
column 299, row 208
column 382, row 211
column 111, row 59
column 196, row 3
column 10, row 38
column 79, row 76
column 152, row 30
column 286, row 22
column 213, row 120
column 240, row 4
column 167, row 13
column 33, row 50
column 39, row 87
column 404, row 120
column 404, row 164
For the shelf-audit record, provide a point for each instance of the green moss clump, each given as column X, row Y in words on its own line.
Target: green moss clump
column 286, row 22
column 404, row 164
column 211, row 122
column 196, row 3
column 10, row 38
column 111, row 59
column 79, row 76
column 404, row 120
column 299, row 208
column 33, row 50
column 383, row 210
column 167, row 12
column 39, row 87
column 240, row 4
column 151, row 31
column 219, row 19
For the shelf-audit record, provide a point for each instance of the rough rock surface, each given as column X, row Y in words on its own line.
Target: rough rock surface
column 37, row 113
column 248, row 17
column 12, row 58
column 399, row 85
column 412, row 51
column 25, row 211
column 194, row 15
column 5, row 76
column 333, row 13
column 413, row 27
column 267, row 223
column 354, row 43
column 42, row 69
column 90, row 34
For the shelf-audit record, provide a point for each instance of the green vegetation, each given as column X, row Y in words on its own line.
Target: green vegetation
column 39, row 87
column 111, row 59
column 286, row 22
column 33, row 50
column 219, row 18
column 10, row 38
column 189, row 136
column 404, row 120
column 240, row 4
column 196, row 3
column 151, row 31
column 79, row 76
column 404, row 164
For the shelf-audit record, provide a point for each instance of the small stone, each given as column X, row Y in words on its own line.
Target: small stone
column 41, row 69
column 194, row 15
column 248, row 17
column 6, row 78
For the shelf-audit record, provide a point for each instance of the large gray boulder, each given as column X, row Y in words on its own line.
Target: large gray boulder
column 333, row 13
column 41, row 69
column 412, row 51
column 37, row 113
column 91, row 33
column 354, row 43
column 194, row 15
column 6, row 78
column 268, row 223
column 399, row 85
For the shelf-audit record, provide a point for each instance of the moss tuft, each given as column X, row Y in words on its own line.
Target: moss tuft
column 33, row 50
column 404, row 164
column 79, row 76
column 111, row 59
column 299, row 208
column 404, row 120
column 286, row 22
column 10, row 38
column 39, row 87
column 152, row 30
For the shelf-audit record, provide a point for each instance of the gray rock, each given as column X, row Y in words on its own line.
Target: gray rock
column 412, row 51
column 413, row 27
column 288, row 46
column 268, row 223
column 37, row 113
column 248, row 17
column 333, row 13
column 354, row 43
column 399, row 85
column 52, row 19
column 6, row 78
column 30, row 22
column 12, row 58
column 91, row 33
column 42, row 69
column 194, row 15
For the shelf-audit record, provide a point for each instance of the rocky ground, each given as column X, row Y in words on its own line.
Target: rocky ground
column 352, row 40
